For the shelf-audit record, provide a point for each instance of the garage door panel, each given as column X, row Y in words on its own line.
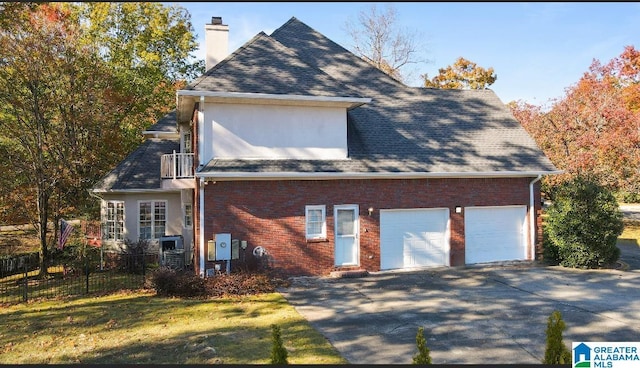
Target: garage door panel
column 413, row 238
column 494, row 234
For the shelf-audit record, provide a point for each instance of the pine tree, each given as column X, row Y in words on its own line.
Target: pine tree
column 422, row 357
column 278, row 352
column 556, row 351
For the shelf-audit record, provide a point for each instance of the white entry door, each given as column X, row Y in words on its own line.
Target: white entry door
column 347, row 234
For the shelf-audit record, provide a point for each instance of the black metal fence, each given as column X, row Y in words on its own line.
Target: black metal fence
column 88, row 274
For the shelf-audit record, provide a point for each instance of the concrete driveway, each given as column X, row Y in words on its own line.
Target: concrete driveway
column 471, row 315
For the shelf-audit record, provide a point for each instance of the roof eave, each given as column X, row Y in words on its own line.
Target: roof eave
column 266, row 98
column 128, row 191
column 368, row 175
column 159, row 134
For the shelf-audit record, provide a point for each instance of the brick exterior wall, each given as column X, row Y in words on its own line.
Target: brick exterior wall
column 271, row 214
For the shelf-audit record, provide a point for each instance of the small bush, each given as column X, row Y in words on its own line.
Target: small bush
column 628, row 197
column 584, row 222
column 169, row 282
column 241, row 283
column 422, row 357
column 556, row 351
column 278, row 351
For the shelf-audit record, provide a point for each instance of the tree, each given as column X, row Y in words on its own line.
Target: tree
column 463, row 74
column 278, row 351
column 584, row 223
column 380, row 41
column 422, row 356
column 55, row 133
column 556, row 352
column 149, row 48
column 129, row 60
column 595, row 128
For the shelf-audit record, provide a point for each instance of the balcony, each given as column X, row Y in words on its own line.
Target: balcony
column 176, row 169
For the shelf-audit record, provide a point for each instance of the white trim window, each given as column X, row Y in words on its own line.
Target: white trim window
column 188, row 215
column 114, row 220
column 152, row 219
column 316, row 222
column 186, row 142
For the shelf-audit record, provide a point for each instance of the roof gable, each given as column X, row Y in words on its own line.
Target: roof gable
column 323, row 53
column 265, row 66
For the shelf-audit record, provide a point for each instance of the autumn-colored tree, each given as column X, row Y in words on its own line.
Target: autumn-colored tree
column 149, row 48
column 55, row 134
column 379, row 40
column 463, row 74
column 139, row 54
column 594, row 129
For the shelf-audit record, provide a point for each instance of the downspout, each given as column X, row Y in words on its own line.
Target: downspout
column 200, row 142
column 532, row 217
column 201, row 225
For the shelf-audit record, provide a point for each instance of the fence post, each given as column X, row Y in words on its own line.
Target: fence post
column 86, row 272
column 26, row 282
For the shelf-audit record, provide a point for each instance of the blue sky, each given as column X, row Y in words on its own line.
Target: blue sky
column 536, row 49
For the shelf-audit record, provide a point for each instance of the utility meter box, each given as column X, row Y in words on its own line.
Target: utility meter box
column 235, row 249
column 223, row 247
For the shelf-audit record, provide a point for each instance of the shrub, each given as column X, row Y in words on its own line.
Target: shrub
column 556, row 351
column 278, row 351
column 169, row 282
column 422, row 357
column 550, row 251
column 240, row 283
column 584, row 222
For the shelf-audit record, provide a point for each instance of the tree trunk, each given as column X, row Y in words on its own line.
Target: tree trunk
column 43, row 215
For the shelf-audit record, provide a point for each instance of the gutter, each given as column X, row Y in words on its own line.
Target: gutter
column 239, row 175
column 532, row 217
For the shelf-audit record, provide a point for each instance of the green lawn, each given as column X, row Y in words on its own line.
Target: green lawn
column 631, row 232
column 139, row 327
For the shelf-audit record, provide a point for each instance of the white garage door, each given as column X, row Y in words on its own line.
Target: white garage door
column 494, row 234
column 414, row 238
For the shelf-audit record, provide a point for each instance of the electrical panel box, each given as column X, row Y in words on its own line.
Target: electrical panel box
column 223, row 247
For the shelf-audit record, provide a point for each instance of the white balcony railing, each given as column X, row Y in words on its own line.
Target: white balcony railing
column 177, row 166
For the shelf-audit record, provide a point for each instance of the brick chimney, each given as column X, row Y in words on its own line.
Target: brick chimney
column 216, row 38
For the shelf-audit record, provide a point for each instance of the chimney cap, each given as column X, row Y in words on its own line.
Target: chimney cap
column 216, row 20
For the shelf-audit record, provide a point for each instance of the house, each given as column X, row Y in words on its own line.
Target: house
column 293, row 148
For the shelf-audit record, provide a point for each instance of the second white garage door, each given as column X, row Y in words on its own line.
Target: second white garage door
column 494, row 234
column 414, row 238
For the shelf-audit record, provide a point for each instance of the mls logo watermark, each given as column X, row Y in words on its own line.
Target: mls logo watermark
column 605, row 354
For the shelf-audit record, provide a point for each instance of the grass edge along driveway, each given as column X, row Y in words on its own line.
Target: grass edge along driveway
column 140, row 327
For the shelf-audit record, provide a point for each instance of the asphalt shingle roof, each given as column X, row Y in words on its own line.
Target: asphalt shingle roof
column 263, row 65
column 166, row 124
column 141, row 169
column 403, row 129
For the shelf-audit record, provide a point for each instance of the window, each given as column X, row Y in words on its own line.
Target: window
column 188, row 215
column 152, row 219
column 114, row 220
column 316, row 223
column 186, row 141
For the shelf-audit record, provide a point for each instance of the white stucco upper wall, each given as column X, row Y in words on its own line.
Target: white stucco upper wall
column 274, row 132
